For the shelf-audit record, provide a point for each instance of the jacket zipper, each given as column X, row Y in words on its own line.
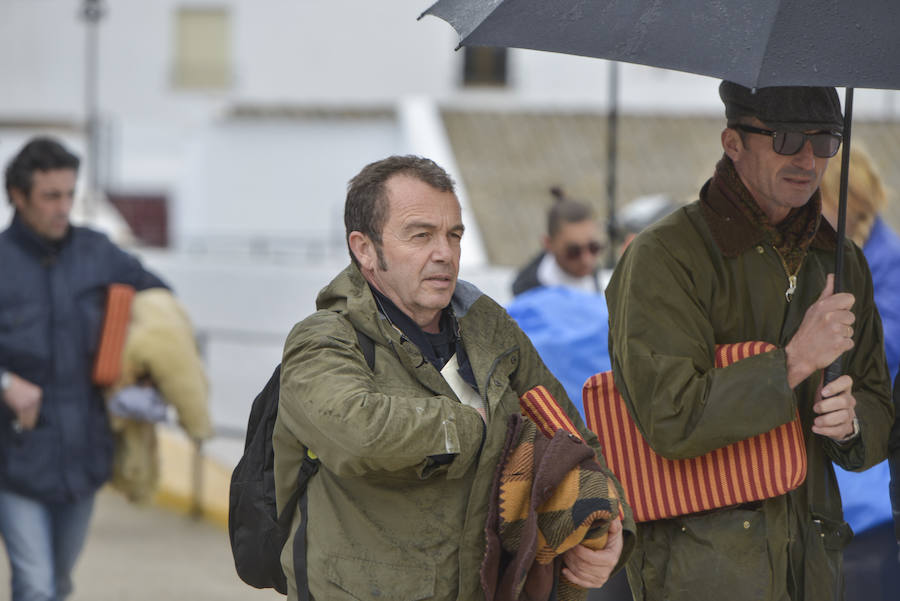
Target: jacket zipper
column 792, row 277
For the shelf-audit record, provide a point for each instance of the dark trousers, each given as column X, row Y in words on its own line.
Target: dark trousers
column 871, row 565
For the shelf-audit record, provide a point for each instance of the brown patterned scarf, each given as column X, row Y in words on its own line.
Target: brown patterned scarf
column 792, row 236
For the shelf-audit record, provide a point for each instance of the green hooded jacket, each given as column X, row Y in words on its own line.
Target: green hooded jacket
column 385, row 521
column 700, row 277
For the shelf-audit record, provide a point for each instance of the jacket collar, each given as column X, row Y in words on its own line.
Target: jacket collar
column 29, row 240
column 349, row 293
column 733, row 231
column 411, row 330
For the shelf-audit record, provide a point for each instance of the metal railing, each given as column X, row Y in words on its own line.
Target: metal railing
column 311, row 246
column 204, row 337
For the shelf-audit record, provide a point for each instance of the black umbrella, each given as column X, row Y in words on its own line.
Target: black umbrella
column 756, row 44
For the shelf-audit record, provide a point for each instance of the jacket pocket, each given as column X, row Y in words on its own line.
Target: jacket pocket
column 365, row 580
column 32, row 460
column 825, row 541
column 718, row 555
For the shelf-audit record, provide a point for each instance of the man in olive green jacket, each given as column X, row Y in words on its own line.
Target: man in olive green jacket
column 751, row 260
column 409, row 448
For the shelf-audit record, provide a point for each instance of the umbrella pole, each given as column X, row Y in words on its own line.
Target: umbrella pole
column 833, row 371
column 842, row 198
column 612, row 139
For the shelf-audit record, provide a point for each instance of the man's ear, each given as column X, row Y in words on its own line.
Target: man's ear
column 18, row 198
column 363, row 249
column 732, row 143
column 545, row 241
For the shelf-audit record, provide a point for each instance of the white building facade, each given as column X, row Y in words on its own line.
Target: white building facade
column 249, row 117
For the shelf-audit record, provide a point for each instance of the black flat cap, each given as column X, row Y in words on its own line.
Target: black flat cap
column 790, row 108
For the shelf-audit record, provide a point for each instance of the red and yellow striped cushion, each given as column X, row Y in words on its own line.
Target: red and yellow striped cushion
column 765, row 466
column 539, row 406
column 108, row 362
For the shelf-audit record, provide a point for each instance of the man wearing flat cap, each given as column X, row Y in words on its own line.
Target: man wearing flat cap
column 752, row 260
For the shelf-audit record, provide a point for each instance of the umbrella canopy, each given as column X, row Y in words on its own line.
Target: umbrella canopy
column 756, row 44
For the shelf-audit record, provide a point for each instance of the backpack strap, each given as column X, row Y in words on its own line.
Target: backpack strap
column 308, row 469
column 367, row 345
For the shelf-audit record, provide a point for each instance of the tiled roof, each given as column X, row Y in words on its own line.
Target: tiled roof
column 508, row 161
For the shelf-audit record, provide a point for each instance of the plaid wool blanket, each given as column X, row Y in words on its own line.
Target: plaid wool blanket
column 548, row 495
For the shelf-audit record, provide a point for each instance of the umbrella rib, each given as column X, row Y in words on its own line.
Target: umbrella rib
column 760, row 59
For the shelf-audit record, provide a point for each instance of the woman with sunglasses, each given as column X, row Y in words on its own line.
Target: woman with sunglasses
column 572, row 246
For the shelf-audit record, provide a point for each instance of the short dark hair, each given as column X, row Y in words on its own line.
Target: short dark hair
column 39, row 154
column 565, row 210
column 366, row 208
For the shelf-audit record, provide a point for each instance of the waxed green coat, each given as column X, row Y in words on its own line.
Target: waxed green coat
column 673, row 297
column 385, row 522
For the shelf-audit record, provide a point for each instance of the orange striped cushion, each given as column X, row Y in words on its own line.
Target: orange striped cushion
column 761, row 467
column 108, row 362
column 539, row 406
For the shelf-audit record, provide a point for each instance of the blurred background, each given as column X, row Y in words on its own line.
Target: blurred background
column 219, row 135
column 218, row 138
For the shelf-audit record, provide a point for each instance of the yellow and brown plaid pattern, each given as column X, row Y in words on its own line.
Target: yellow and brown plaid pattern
column 576, row 513
column 575, row 510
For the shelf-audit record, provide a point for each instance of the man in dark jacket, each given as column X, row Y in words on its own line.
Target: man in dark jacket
column 751, row 260
column 55, row 444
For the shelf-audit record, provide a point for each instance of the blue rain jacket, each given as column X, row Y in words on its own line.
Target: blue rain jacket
column 570, row 330
column 865, row 494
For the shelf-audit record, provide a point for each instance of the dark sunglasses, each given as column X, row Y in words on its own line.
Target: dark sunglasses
column 573, row 251
column 825, row 144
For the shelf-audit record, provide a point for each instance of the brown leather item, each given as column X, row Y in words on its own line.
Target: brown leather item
column 761, row 467
column 108, row 362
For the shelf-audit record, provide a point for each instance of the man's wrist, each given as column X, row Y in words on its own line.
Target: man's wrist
column 5, row 380
column 796, row 371
column 853, row 435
